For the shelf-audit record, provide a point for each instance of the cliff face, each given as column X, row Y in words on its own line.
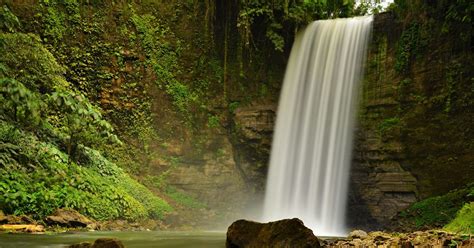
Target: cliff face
column 415, row 120
column 252, row 139
column 381, row 187
column 414, row 137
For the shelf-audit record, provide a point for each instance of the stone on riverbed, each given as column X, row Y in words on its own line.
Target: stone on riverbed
column 282, row 233
column 358, row 234
column 68, row 218
column 100, row 243
column 432, row 238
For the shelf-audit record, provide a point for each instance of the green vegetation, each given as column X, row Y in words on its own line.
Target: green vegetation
column 410, row 45
column 38, row 180
column 280, row 16
column 8, row 21
column 452, row 210
column 96, row 95
column 51, row 139
column 464, row 221
column 183, row 199
column 388, row 124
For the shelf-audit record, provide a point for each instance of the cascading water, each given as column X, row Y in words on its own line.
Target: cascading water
column 311, row 151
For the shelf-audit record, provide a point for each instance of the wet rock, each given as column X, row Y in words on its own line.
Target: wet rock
column 100, row 243
column 282, row 233
column 81, row 245
column 68, row 218
column 380, row 236
column 107, row 243
column 212, row 178
column 30, row 228
column 358, row 234
column 432, row 238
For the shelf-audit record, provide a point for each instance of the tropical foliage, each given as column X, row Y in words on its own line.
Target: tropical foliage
column 50, row 142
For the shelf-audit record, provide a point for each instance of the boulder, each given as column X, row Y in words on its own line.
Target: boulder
column 100, row 243
column 282, row 233
column 359, row 234
column 14, row 219
column 107, row 243
column 68, row 218
column 81, row 245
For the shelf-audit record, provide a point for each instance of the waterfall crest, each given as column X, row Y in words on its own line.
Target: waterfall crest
column 311, row 150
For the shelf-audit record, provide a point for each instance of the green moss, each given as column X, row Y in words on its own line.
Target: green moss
column 162, row 58
column 183, row 199
column 55, row 17
column 464, row 221
column 411, row 44
column 438, row 211
column 29, row 62
column 213, row 121
column 388, row 124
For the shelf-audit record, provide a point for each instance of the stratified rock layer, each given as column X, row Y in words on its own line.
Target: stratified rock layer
column 252, row 139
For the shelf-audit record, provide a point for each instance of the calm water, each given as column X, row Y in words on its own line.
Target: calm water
column 130, row 239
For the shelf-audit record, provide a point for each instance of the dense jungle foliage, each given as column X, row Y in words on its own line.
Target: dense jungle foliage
column 77, row 105
column 96, row 93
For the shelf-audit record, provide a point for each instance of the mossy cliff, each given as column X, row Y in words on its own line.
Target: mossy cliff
column 165, row 78
column 415, row 136
column 55, row 150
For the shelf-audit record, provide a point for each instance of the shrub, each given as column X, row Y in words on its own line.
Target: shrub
column 41, row 181
column 81, row 121
column 19, row 104
column 31, row 62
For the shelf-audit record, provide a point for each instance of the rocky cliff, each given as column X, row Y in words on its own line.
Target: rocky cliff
column 252, row 137
column 414, row 137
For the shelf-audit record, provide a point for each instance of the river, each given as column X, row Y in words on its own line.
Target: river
column 130, row 239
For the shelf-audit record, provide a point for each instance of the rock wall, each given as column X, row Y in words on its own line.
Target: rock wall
column 408, row 146
column 252, row 131
column 414, row 135
column 213, row 177
column 380, row 187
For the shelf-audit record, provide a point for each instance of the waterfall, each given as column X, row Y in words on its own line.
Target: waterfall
column 311, row 150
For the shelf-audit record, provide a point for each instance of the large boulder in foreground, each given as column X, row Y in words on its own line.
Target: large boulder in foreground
column 282, row 233
column 68, row 218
